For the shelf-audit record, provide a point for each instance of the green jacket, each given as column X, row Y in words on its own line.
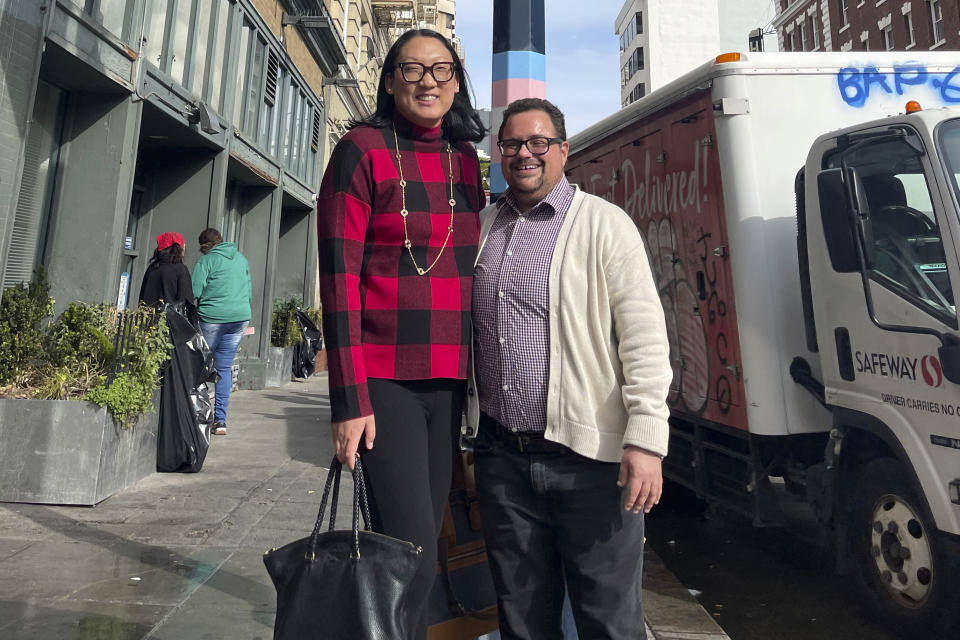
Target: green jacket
column 221, row 285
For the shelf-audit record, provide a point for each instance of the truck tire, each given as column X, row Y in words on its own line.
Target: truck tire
column 898, row 560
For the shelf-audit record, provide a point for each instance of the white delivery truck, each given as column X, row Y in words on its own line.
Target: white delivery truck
column 801, row 216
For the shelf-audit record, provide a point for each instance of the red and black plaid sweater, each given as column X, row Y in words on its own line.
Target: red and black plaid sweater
column 380, row 318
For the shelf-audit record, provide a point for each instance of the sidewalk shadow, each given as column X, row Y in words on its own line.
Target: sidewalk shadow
column 149, row 556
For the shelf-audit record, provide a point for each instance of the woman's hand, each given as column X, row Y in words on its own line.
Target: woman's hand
column 346, row 438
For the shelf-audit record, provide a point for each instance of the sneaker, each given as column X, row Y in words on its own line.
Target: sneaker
column 219, row 429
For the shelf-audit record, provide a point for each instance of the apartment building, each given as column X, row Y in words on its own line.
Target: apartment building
column 868, row 25
column 122, row 119
column 662, row 39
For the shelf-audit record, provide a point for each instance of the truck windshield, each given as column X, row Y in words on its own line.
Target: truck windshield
column 949, row 143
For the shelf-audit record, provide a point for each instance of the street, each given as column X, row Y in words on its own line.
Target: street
column 761, row 584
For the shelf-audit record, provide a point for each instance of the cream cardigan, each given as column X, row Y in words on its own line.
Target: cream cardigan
column 609, row 355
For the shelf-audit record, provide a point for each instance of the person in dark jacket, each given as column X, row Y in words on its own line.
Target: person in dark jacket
column 167, row 279
column 221, row 283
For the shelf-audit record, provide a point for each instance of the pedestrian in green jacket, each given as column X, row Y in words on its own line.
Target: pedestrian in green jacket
column 221, row 284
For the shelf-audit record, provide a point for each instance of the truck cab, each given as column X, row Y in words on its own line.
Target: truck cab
column 879, row 241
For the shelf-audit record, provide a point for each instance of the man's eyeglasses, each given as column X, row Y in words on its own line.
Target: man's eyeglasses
column 413, row 71
column 537, row 145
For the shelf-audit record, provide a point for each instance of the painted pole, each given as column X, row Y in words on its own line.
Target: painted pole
column 519, row 67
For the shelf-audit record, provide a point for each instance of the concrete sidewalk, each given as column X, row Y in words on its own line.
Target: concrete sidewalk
column 179, row 556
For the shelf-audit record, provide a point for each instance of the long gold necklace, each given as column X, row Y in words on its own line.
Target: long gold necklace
column 404, row 213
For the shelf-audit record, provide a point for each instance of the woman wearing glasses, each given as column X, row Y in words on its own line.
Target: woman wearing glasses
column 398, row 229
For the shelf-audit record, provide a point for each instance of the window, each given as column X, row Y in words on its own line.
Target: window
column 156, row 27
column 639, row 55
column 907, row 249
column 844, row 16
column 949, row 143
column 638, row 19
column 217, row 69
column 865, row 43
column 255, row 87
column 181, row 33
column 798, row 34
column 242, row 54
column 198, row 52
column 936, row 21
column 908, row 27
column 886, row 37
column 116, row 16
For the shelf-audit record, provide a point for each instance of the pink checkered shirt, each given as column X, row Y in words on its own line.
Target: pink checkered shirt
column 511, row 310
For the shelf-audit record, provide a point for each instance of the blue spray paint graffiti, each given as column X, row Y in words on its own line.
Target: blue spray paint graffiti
column 856, row 85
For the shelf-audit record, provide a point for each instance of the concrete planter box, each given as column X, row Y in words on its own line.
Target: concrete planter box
column 279, row 366
column 70, row 452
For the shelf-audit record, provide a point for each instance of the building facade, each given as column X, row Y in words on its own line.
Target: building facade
column 868, row 25
column 662, row 39
column 122, row 119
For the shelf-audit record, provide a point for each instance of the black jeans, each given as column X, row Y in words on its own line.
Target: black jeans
column 409, row 470
column 553, row 519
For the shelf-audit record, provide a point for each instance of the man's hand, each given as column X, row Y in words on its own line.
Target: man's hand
column 346, row 438
column 641, row 474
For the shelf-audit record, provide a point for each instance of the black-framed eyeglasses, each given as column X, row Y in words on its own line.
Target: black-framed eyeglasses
column 537, row 145
column 413, row 71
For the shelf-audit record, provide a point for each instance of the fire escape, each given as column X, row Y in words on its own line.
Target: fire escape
column 396, row 16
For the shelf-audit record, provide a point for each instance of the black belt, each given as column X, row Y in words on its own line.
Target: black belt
column 521, row 441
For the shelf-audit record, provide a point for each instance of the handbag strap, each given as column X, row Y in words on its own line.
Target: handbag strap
column 361, row 506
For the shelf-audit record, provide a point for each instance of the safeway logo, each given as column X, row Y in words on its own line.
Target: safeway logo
column 932, row 371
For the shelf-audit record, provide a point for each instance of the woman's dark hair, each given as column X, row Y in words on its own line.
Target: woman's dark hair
column 209, row 238
column 460, row 123
column 172, row 254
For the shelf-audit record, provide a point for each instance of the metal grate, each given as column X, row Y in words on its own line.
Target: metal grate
column 315, row 137
column 273, row 76
column 129, row 326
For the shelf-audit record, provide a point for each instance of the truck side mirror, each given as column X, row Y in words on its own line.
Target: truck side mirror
column 835, row 214
column 949, row 354
column 844, row 226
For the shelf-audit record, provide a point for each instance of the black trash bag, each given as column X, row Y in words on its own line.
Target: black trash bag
column 305, row 351
column 186, row 413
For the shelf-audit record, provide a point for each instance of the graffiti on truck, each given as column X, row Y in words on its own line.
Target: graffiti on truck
column 656, row 196
column 669, row 200
column 858, row 85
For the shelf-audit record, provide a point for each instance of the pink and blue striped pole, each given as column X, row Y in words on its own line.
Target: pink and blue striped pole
column 519, row 67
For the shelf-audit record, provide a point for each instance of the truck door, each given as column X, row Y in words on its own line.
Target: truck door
column 897, row 376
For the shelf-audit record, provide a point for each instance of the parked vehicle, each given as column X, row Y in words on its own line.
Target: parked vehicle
column 802, row 223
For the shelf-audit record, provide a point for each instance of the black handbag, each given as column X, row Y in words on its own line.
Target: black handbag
column 343, row 585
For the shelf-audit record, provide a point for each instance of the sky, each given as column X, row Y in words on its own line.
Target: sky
column 583, row 56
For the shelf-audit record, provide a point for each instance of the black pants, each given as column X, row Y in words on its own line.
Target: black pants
column 552, row 518
column 410, row 468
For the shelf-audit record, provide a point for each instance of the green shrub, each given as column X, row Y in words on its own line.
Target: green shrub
column 22, row 309
column 130, row 392
column 80, row 336
column 73, row 356
column 284, row 330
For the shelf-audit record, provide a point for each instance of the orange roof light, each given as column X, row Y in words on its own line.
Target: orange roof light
column 913, row 106
column 727, row 57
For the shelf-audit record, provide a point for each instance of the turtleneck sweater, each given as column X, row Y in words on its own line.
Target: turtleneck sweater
column 381, row 319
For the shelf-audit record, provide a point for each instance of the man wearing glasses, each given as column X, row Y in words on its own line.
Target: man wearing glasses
column 571, row 378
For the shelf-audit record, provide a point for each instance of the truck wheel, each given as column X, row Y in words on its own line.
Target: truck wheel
column 899, row 562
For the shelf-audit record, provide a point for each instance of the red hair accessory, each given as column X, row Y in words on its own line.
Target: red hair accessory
column 169, row 238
